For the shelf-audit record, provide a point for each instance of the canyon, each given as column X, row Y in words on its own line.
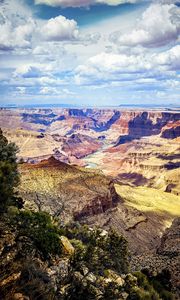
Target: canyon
column 84, row 160
column 134, row 147
column 104, row 167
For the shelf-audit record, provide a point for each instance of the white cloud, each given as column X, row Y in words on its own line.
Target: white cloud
column 60, row 29
column 56, row 59
column 109, row 67
column 158, row 26
column 26, row 71
column 16, row 36
column 50, row 80
column 32, row 70
column 170, row 58
column 19, row 29
column 16, row 25
column 81, row 3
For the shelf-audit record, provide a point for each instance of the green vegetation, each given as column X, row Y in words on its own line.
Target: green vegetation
column 9, row 176
column 39, row 228
column 100, row 249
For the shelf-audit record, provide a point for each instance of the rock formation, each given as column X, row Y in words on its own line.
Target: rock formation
column 66, row 191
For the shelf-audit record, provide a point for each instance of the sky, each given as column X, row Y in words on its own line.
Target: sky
column 89, row 52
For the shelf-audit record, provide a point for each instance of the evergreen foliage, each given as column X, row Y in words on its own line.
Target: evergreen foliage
column 39, row 227
column 9, row 176
column 102, row 250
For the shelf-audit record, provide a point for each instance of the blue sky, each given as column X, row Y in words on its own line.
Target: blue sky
column 89, row 52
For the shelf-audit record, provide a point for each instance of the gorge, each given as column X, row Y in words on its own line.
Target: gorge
column 108, row 168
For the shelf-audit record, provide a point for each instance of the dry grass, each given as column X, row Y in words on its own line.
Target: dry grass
column 150, row 200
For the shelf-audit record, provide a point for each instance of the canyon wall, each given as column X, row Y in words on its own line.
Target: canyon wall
column 132, row 124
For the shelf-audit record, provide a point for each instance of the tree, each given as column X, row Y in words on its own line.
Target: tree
column 9, row 175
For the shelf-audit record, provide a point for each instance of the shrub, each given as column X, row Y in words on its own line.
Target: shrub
column 38, row 226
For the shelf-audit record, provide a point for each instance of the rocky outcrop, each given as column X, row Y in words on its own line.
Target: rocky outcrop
column 170, row 241
column 166, row 259
column 65, row 191
column 150, row 161
column 171, row 131
column 79, row 145
column 99, row 204
column 104, row 126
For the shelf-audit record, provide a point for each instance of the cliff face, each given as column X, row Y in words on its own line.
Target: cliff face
column 171, row 130
column 136, row 125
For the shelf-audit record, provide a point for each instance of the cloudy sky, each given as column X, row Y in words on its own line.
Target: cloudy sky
column 89, row 52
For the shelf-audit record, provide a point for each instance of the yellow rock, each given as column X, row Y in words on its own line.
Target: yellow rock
column 67, row 246
column 114, row 277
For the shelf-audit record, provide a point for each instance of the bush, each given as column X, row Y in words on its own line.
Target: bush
column 38, row 226
column 97, row 249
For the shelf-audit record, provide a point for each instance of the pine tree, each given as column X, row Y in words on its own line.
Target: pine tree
column 9, row 175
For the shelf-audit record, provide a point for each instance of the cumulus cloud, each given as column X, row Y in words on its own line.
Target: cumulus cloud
column 16, row 25
column 20, row 30
column 27, row 71
column 16, row 37
column 108, row 67
column 59, row 29
column 170, row 58
column 62, row 29
column 81, row 3
column 32, row 70
column 158, row 26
